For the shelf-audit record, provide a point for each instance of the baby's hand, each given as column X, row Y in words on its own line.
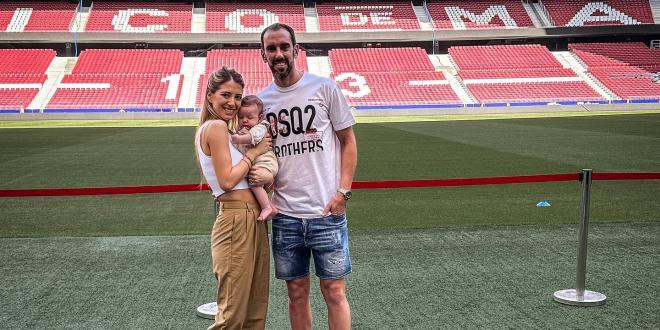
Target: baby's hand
column 241, row 139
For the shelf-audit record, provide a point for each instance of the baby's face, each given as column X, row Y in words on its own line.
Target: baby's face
column 248, row 116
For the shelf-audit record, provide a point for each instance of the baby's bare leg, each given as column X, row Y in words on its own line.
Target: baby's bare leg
column 268, row 211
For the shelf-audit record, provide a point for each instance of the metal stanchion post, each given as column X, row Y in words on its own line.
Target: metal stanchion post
column 579, row 296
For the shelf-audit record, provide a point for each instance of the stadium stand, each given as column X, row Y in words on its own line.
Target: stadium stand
column 120, row 78
column 629, row 83
column 380, row 60
column 367, row 16
column 22, row 74
column 248, row 62
column 531, row 92
column 390, row 76
column 627, row 69
column 140, row 17
column 465, row 15
column 605, row 55
column 516, row 73
column 129, row 61
column 252, row 17
column 25, row 61
column 607, row 12
column 36, row 16
column 528, row 73
column 503, row 57
column 372, row 76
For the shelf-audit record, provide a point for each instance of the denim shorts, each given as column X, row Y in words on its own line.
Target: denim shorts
column 296, row 239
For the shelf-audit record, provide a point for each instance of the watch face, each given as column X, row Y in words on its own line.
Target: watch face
column 348, row 195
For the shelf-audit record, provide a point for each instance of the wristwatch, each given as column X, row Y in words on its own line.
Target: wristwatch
column 346, row 192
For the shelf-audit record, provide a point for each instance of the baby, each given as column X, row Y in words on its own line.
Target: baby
column 251, row 129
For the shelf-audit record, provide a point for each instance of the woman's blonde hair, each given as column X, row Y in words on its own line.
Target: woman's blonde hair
column 216, row 79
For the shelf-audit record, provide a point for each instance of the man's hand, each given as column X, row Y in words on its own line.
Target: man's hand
column 336, row 206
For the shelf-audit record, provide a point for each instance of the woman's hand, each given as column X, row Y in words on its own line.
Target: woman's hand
column 261, row 148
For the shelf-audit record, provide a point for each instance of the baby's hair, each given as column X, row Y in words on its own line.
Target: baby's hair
column 251, row 100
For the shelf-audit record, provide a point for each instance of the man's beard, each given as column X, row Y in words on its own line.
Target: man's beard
column 281, row 75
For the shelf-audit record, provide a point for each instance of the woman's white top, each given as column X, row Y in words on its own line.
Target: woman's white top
column 206, row 164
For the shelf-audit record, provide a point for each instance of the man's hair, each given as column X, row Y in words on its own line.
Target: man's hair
column 251, row 100
column 279, row 26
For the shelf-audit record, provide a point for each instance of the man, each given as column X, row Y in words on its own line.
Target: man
column 317, row 154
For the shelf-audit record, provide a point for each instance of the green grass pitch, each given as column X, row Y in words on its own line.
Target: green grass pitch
column 428, row 258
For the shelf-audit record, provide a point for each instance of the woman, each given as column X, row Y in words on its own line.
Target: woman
column 239, row 243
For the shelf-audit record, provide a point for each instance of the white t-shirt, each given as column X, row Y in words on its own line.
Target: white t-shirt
column 306, row 116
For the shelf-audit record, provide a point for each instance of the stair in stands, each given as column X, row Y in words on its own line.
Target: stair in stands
column 655, row 8
column 55, row 73
column 425, row 22
column 311, row 20
column 577, row 66
column 533, row 15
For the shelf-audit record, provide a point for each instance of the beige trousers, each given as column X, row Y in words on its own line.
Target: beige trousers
column 240, row 252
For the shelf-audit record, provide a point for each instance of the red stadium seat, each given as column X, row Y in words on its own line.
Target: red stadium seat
column 533, row 92
column 629, row 83
column 604, row 12
column 467, row 15
column 253, row 17
column 22, row 74
column 34, row 16
column 637, row 54
column 140, row 17
column 503, row 57
column 116, row 78
column 367, row 16
column 627, row 69
column 389, row 76
column 122, row 78
column 380, row 59
column 518, row 74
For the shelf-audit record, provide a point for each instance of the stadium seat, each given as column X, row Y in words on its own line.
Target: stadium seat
column 518, row 74
column 140, row 17
column 605, row 12
column 368, row 76
column 637, row 54
column 252, row 17
column 22, row 74
column 533, row 92
column 467, row 15
column 367, row 16
column 36, row 16
column 626, row 68
column 389, row 76
column 503, row 57
column 629, row 83
column 380, row 59
column 122, row 78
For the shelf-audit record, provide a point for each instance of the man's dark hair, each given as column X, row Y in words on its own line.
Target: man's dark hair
column 279, row 26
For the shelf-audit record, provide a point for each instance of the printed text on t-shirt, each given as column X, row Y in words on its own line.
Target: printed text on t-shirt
column 287, row 122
